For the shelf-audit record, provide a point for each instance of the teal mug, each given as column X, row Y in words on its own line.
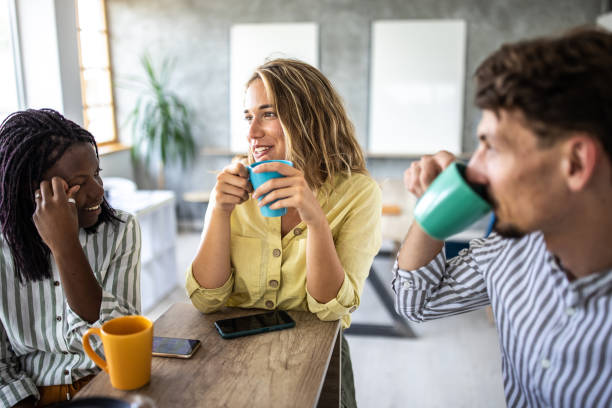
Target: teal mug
column 450, row 204
column 257, row 179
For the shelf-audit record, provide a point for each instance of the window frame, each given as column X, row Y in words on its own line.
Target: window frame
column 113, row 143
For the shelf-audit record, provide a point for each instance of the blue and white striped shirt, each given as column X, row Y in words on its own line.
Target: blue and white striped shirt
column 40, row 335
column 555, row 335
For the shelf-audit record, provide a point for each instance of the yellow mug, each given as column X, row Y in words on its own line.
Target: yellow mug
column 128, row 346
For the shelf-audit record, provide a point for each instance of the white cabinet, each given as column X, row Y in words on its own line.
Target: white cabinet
column 157, row 218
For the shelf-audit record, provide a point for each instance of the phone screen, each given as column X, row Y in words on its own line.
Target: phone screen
column 174, row 347
column 258, row 323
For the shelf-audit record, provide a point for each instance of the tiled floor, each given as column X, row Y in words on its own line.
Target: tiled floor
column 454, row 362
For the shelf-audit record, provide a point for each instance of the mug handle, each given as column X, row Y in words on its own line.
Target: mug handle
column 100, row 362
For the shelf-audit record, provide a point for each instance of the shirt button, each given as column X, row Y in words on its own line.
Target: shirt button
column 297, row 231
column 64, row 352
column 56, row 283
column 352, row 309
column 273, row 283
column 408, row 285
column 545, row 363
column 276, row 252
column 66, row 372
column 269, row 304
column 570, row 311
column 58, row 318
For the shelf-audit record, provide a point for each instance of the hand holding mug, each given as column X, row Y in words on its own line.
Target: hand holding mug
column 55, row 216
column 448, row 203
column 232, row 187
column 287, row 190
column 422, row 173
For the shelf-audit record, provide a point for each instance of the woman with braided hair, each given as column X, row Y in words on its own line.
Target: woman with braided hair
column 68, row 261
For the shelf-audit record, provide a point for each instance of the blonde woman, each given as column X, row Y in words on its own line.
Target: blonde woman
column 316, row 257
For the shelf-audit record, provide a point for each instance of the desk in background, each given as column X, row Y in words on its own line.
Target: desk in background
column 191, row 214
column 298, row 367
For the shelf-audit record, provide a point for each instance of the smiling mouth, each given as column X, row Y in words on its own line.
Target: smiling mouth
column 94, row 208
column 261, row 149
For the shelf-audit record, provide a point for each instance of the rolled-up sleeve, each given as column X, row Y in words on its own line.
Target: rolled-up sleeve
column 337, row 307
column 120, row 285
column 207, row 300
column 444, row 287
column 357, row 243
column 15, row 385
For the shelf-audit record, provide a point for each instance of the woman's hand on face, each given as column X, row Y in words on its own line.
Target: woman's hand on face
column 56, row 216
column 291, row 191
column 233, row 187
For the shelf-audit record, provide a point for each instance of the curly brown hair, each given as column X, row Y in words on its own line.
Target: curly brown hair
column 559, row 84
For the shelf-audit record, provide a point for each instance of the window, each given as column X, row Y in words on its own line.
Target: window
column 94, row 60
column 9, row 97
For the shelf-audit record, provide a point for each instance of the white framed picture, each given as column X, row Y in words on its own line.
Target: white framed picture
column 417, row 86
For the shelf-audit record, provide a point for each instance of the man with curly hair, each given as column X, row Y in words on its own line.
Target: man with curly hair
column 545, row 160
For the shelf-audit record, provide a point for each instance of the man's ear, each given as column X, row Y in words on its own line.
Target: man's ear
column 581, row 155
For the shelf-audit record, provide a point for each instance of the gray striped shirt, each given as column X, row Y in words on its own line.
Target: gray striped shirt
column 555, row 335
column 40, row 336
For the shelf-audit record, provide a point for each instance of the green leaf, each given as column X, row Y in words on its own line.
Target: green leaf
column 160, row 120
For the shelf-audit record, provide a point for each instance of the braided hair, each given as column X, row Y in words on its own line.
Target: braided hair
column 31, row 142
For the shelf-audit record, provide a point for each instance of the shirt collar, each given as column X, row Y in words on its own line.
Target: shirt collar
column 593, row 285
column 584, row 288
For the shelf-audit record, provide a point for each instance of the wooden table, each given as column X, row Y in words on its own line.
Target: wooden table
column 298, row 367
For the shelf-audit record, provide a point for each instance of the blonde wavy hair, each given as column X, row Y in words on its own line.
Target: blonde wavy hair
column 319, row 136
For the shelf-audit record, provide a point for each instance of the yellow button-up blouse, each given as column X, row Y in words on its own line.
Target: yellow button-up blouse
column 269, row 271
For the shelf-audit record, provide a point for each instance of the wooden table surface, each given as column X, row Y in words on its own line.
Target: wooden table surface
column 286, row 368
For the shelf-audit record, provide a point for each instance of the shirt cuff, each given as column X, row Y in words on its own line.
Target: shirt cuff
column 343, row 304
column 422, row 278
column 18, row 390
column 204, row 299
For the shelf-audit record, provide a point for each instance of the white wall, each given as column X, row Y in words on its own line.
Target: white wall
column 49, row 54
column 68, row 53
column 605, row 20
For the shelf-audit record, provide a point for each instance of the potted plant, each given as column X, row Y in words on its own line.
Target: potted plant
column 161, row 122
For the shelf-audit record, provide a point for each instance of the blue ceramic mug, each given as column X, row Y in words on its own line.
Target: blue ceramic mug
column 257, row 179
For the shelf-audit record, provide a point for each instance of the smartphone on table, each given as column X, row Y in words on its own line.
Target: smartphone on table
column 174, row 347
column 254, row 324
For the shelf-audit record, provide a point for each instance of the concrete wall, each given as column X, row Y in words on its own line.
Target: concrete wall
column 196, row 33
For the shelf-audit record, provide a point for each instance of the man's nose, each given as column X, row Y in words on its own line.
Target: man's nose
column 475, row 172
